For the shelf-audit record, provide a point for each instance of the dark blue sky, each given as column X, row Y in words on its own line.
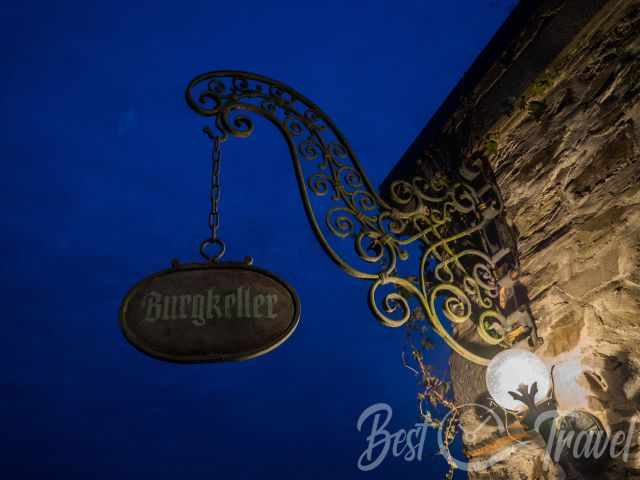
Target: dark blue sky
column 105, row 181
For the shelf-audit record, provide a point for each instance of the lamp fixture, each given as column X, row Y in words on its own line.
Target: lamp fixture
column 512, row 368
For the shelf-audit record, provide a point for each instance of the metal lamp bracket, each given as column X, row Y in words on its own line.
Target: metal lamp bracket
column 455, row 276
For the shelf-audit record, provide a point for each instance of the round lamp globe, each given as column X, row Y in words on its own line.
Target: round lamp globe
column 512, row 368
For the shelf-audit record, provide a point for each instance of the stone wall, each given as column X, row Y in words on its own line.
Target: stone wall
column 568, row 165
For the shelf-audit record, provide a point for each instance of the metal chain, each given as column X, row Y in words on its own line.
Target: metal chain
column 214, row 197
column 214, row 215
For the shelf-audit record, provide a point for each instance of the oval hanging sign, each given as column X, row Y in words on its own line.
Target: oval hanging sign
column 209, row 313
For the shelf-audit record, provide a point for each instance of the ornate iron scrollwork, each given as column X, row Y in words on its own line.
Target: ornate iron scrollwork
column 454, row 278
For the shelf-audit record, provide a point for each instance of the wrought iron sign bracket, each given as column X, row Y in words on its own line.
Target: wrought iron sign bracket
column 432, row 244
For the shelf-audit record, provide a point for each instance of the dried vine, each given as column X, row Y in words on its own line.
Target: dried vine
column 434, row 391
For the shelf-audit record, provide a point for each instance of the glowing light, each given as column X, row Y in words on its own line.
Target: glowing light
column 512, row 368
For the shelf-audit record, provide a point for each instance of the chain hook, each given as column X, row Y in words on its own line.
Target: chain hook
column 205, row 244
column 214, row 212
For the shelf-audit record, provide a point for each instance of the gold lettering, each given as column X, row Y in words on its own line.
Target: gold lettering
column 239, row 302
column 247, row 303
column 213, row 309
column 184, row 300
column 154, row 306
column 169, row 308
column 229, row 302
column 258, row 302
column 197, row 310
column 271, row 301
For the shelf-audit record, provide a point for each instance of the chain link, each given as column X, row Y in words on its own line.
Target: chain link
column 214, row 194
column 214, row 197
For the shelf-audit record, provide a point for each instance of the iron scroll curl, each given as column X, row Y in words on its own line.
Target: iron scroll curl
column 454, row 278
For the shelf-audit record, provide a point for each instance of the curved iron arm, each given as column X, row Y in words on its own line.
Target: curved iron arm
column 443, row 219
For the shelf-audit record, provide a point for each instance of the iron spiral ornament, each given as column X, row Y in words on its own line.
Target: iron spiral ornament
column 453, row 279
